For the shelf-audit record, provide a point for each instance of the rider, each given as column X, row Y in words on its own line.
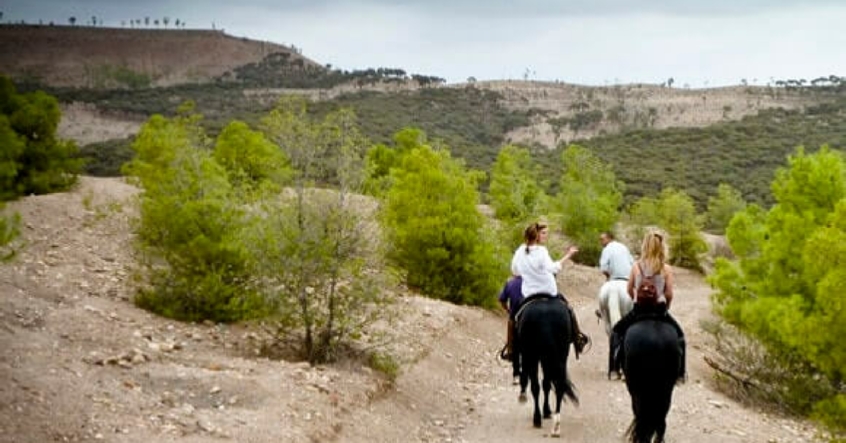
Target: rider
column 533, row 262
column 510, row 299
column 616, row 264
column 651, row 263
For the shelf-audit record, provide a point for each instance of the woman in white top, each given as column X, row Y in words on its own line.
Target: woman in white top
column 533, row 262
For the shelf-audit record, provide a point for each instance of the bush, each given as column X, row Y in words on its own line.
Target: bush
column 190, row 222
column 9, row 232
column 588, row 200
column 105, row 159
column 435, row 231
column 785, row 289
column 675, row 213
column 32, row 160
column 317, row 254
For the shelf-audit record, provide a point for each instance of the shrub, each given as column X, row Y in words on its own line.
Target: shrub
column 190, row 222
column 785, row 289
column 435, row 231
column 33, row 160
column 588, row 200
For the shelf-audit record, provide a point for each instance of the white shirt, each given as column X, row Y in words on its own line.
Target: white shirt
column 537, row 269
column 616, row 260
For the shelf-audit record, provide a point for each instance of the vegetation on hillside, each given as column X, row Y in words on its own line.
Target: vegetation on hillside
column 588, row 201
column 473, row 122
column 32, row 159
column 222, row 240
column 786, row 287
column 743, row 154
column 436, row 234
column 283, row 70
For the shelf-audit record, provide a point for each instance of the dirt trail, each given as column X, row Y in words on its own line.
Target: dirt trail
column 79, row 362
column 698, row 412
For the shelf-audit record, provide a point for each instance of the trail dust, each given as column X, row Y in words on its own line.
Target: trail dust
column 80, row 362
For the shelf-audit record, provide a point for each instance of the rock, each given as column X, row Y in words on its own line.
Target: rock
column 717, row 404
column 214, row 390
column 206, row 426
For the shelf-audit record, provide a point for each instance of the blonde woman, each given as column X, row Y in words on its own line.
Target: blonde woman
column 651, row 287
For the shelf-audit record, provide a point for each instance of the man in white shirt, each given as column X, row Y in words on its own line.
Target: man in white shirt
column 616, row 264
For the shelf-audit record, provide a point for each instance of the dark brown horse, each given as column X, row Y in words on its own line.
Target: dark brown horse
column 543, row 339
column 652, row 363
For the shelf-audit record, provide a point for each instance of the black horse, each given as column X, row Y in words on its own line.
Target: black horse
column 651, row 366
column 543, row 338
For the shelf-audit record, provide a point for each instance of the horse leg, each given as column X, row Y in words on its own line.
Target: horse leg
column 547, row 386
column 614, row 311
column 524, row 381
column 559, row 396
column 536, row 419
column 528, row 369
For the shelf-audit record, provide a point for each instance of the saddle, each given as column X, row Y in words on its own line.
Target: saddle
column 580, row 340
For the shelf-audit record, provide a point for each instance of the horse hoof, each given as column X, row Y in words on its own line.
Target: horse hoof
column 522, row 398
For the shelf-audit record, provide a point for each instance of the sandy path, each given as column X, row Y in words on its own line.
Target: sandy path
column 698, row 412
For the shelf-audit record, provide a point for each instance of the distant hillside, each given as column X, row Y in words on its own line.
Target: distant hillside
column 89, row 57
column 565, row 112
column 654, row 135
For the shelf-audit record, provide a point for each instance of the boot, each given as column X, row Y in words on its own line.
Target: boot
column 507, row 352
column 580, row 340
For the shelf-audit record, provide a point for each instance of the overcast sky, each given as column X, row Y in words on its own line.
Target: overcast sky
column 697, row 42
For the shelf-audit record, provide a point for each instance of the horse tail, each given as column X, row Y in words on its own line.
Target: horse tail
column 554, row 366
column 650, row 419
column 569, row 390
column 614, row 310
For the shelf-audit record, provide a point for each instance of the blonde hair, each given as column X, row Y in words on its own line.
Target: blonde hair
column 652, row 252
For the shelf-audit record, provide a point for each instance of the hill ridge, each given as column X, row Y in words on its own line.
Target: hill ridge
column 77, row 56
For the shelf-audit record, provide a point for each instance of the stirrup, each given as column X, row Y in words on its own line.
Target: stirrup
column 504, row 354
column 581, row 343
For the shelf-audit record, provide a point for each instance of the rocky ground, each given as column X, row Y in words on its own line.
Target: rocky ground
column 79, row 362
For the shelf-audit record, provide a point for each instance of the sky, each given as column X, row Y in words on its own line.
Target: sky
column 698, row 43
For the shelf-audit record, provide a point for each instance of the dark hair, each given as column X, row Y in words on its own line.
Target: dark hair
column 532, row 233
column 608, row 234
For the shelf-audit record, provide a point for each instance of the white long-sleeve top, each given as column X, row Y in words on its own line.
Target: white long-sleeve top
column 537, row 269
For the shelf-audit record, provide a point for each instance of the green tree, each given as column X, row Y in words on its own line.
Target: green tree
column 722, row 208
column 33, row 160
column 250, row 159
column 189, row 221
column 436, row 234
column 785, row 288
column 588, row 200
column 684, row 226
column 319, row 254
column 674, row 212
column 514, row 190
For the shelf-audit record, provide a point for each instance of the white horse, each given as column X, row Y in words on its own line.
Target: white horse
column 614, row 304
